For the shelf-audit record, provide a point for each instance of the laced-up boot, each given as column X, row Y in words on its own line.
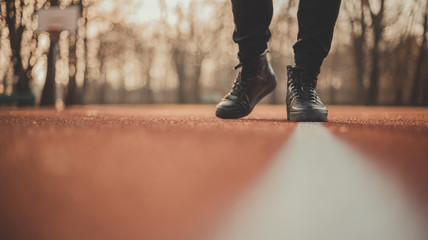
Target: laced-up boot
column 303, row 103
column 255, row 80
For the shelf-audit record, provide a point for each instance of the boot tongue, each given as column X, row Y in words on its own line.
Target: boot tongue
column 248, row 71
column 308, row 83
column 307, row 78
column 249, row 66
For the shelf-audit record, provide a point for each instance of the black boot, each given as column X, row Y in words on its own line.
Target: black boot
column 255, row 81
column 303, row 103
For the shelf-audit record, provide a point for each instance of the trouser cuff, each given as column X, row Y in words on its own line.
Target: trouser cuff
column 310, row 62
column 252, row 50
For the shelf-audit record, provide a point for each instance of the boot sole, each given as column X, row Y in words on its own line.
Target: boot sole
column 225, row 114
column 308, row 116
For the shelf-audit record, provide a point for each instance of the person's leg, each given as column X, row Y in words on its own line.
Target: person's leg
column 252, row 19
column 316, row 19
column 316, row 25
column 256, row 79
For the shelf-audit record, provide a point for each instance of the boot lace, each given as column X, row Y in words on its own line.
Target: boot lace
column 302, row 84
column 239, row 86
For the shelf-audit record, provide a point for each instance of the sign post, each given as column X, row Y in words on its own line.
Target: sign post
column 54, row 20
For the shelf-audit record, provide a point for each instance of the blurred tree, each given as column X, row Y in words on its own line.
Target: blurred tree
column 120, row 49
column 102, row 81
column 84, row 7
column 401, row 66
column 377, row 27
column 192, row 42
column 356, row 17
column 146, row 56
column 19, row 19
column 178, row 48
column 49, row 88
column 186, row 57
column 74, row 93
column 200, row 40
column 417, row 90
column 425, row 88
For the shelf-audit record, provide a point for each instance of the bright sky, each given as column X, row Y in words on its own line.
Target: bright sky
column 150, row 9
column 143, row 11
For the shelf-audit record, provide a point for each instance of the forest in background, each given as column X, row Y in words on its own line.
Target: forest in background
column 379, row 53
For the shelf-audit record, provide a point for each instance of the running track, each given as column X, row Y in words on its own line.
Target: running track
column 177, row 172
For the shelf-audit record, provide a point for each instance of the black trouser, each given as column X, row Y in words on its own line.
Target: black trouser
column 316, row 20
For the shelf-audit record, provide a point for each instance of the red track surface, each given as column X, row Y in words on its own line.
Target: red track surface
column 397, row 140
column 167, row 172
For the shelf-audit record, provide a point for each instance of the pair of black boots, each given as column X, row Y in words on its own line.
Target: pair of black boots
column 257, row 79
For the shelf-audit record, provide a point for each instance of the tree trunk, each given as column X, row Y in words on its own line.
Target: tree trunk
column 148, row 89
column 359, row 42
column 73, row 95
column 49, row 89
column 377, row 28
column 196, row 88
column 374, row 73
column 401, row 66
column 425, row 93
column 415, row 94
column 399, row 74
column 148, row 92
column 179, row 61
column 360, row 68
column 84, row 13
column 15, row 37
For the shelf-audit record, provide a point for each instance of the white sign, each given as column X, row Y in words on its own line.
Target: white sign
column 55, row 19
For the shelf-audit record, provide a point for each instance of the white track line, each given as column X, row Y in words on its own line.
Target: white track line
column 319, row 188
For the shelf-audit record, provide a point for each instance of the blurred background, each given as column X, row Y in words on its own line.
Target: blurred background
column 181, row 51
